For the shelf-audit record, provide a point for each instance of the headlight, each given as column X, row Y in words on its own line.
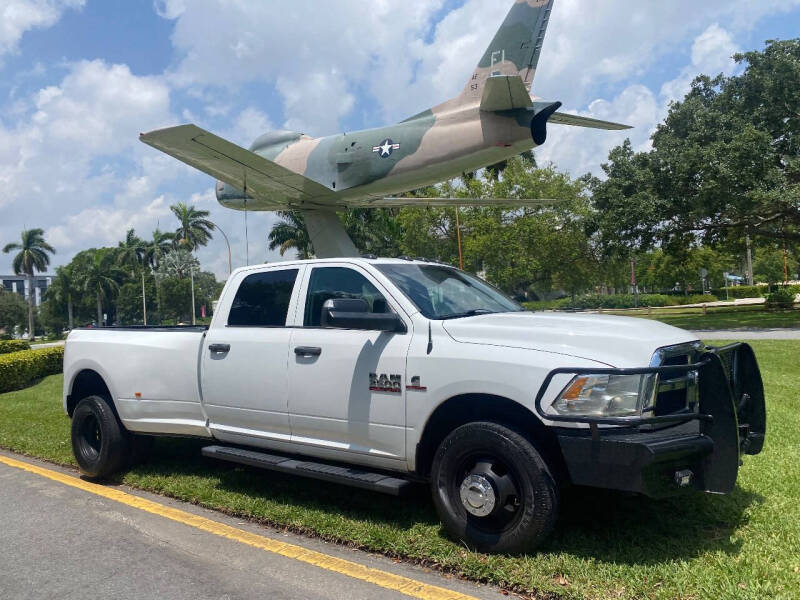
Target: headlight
column 607, row 395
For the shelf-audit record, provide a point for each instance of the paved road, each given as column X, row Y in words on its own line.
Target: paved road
column 64, row 543
column 750, row 334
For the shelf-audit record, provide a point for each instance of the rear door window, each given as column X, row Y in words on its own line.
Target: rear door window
column 262, row 299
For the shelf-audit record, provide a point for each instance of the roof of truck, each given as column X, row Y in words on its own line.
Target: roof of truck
column 364, row 260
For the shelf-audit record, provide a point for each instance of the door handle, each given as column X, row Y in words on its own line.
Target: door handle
column 307, row 351
column 219, row 348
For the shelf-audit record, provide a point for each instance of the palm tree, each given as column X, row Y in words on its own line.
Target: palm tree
column 101, row 278
column 154, row 251
column 290, row 233
column 63, row 289
column 131, row 253
column 195, row 228
column 32, row 256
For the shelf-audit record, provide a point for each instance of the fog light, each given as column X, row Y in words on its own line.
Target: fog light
column 684, row 478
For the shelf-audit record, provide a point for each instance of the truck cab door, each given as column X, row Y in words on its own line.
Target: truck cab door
column 347, row 387
column 244, row 378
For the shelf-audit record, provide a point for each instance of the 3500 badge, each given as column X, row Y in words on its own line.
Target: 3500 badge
column 392, row 384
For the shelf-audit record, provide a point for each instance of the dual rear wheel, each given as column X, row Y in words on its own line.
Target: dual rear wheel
column 100, row 444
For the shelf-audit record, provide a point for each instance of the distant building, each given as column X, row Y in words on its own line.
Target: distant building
column 18, row 284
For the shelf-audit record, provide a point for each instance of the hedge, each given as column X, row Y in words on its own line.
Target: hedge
column 595, row 302
column 783, row 298
column 20, row 369
column 9, row 346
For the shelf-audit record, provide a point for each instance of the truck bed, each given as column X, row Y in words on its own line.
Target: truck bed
column 152, row 374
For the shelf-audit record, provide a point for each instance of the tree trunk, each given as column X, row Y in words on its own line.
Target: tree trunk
column 99, row 311
column 69, row 312
column 31, row 300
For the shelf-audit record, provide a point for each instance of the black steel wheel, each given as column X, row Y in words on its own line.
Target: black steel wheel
column 99, row 441
column 492, row 489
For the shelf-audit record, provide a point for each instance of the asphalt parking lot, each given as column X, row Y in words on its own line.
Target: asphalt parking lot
column 59, row 541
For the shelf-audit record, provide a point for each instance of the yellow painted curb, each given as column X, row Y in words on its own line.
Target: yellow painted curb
column 390, row 581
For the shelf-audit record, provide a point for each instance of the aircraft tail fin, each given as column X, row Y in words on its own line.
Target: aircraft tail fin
column 515, row 49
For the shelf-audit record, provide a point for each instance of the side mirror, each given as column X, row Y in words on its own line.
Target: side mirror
column 353, row 313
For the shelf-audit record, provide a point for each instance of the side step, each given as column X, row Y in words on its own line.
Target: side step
column 366, row 480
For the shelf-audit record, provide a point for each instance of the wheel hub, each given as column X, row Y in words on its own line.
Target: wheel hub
column 478, row 495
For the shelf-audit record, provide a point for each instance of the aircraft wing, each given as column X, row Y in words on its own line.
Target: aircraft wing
column 576, row 121
column 440, row 202
column 234, row 165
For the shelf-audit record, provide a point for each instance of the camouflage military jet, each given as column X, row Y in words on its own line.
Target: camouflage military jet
column 494, row 118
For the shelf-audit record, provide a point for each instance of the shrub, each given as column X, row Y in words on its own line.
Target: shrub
column 20, row 369
column 743, row 291
column 9, row 346
column 782, row 298
column 618, row 301
column 561, row 303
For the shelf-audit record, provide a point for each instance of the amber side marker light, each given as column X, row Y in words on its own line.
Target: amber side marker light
column 573, row 392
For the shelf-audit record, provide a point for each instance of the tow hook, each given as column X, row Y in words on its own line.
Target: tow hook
column 684, row 478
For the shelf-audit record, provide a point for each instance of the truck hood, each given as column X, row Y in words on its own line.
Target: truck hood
column 621, row 342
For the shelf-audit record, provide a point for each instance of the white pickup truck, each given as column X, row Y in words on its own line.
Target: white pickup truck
column 380, row 373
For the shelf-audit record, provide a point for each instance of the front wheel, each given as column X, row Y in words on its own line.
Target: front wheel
column 99, row 442
column 492, row 489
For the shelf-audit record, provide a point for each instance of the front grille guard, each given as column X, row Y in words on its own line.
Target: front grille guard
column 730, row 389
column 731, row 412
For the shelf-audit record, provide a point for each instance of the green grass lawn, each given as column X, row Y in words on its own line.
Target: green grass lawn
column 751, row 317
column 607, row 545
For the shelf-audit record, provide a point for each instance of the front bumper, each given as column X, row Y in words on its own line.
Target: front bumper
column 701, row 449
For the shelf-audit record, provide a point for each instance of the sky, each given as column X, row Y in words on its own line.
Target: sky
column 80, row 79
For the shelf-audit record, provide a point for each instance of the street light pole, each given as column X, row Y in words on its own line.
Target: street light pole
column 230, row 257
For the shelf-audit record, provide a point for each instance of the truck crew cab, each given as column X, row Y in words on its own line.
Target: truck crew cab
column 379, row 373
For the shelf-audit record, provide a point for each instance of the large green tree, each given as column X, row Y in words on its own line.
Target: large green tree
column 13, row 312
column 32, row 255
column 194, row 227
column 725, row 163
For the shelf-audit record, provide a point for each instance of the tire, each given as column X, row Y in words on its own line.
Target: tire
column 100, row 443
column 511, row 493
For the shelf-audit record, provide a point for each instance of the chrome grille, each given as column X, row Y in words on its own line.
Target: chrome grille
column 678, row 394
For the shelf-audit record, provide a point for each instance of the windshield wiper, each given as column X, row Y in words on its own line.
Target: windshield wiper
column 470, row 313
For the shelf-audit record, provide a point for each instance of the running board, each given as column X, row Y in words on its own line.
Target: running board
column 366, row 480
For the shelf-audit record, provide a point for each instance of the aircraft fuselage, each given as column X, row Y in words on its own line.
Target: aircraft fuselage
column 428, row 148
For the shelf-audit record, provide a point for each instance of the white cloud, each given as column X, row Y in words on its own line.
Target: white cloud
column 19, row 16
column 72, row 162
column 104, row 225
column 712, row 54
column 579, row 150
column 313, row 52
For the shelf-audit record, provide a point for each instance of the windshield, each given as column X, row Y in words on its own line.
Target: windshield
column 441, row 292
